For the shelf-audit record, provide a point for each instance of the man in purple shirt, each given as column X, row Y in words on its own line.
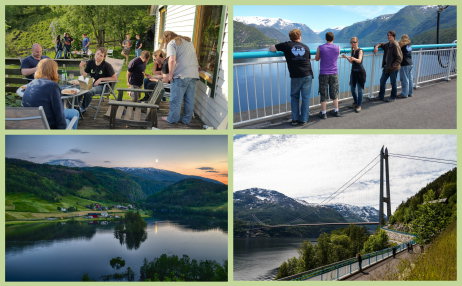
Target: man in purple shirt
column 328, row 75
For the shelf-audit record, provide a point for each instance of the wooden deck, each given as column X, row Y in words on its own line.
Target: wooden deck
column 102, row 122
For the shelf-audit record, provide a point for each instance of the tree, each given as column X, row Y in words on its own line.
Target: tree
column 117, row 262
column 307, row 256
column 376, row 242
column 430, row 220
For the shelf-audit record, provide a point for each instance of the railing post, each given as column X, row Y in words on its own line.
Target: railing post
column 419, row 67
column 371, row 88
column 451, row 54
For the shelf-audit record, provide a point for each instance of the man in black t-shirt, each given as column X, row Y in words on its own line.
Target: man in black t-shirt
column 29, row 64
column 101, row 71
column 298, row 57
column 135, row 72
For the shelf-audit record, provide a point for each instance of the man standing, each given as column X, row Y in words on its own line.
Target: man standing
column 297, row 57
column 29, row 64
column 68, row 40
column 391, row 63
column 126, row 46
column 135, row 72
column 138, row 45
column 85, row 44
column 328, row 75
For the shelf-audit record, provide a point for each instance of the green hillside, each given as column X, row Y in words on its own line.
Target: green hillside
column 191, row 196
column 51, row 183
column 247, row 36
column 430, row 211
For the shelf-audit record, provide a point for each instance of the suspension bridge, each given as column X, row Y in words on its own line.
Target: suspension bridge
column 383, row 193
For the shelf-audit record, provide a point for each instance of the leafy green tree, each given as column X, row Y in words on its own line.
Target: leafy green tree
column 376, row 242
column 430, row 220
column 307, row 256
column 117, row 262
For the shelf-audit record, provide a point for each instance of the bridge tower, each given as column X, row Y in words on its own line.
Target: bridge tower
column 384, row 170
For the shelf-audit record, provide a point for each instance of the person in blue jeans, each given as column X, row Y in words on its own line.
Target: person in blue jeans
column 297, row 57
column 405, row 73
column 183, row 74
column 44, row 91
column 391, row 63
column 358, row 73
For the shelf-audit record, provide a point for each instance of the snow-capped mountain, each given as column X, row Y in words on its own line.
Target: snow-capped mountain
column 68, row 163
column 262, row 21
column 356, row 213
column 278, row 28
column 273, row 207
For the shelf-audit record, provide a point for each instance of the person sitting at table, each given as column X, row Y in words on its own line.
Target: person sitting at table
column 135, row 72
column 151, row 80
column 44, row 91
column 29, row 64
column 100, row 71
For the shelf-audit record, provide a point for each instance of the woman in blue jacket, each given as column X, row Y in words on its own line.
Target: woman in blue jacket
column 44, row 91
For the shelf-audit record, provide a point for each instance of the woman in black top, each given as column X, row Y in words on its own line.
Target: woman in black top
column 358, row 73
column 58, row 47
column 405, row 73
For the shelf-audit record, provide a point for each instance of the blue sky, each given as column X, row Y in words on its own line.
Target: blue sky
column 313, row 166
column 318, row 18
column 204, row 156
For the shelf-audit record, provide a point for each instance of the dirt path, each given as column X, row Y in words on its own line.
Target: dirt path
column 387, row 269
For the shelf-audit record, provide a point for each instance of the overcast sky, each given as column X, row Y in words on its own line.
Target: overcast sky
column 205, row 156
column 314, row 166
column 319, row 18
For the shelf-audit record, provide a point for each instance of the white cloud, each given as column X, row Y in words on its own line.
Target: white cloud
column 313, row 166
column 370, row 11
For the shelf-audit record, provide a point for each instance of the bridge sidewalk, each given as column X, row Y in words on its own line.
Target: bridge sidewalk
column 431, row 107
column 386, row 269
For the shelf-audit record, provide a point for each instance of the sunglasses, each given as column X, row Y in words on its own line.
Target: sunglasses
column 353, row 42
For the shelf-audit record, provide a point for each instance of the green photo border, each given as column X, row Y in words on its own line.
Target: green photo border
column 230, row 132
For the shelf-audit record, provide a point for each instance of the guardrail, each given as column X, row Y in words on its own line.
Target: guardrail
column 262, row 83
column 345, row 268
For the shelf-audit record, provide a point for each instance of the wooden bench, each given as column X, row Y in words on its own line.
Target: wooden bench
column 139, row 114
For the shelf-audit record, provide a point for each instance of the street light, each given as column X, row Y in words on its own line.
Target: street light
column 441, row 8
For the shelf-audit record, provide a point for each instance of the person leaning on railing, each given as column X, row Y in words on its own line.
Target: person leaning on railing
column 358, row 73
column 297, row 57
column 405, row 73
column 44, row 91
column 391, row 63
column 100, row 71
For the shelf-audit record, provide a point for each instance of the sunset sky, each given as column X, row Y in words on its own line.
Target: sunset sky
column 204, row 156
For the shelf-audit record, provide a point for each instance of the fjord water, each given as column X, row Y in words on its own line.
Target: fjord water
column 259, row 258
column 65, row 252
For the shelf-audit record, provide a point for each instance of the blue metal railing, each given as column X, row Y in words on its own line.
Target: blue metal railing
column 268, row 54
column 344, row 268
column 262, row 83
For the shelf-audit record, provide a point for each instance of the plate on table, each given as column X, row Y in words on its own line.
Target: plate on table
column 70, row 91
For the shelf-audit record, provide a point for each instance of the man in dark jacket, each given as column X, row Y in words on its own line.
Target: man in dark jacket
column 391, row 63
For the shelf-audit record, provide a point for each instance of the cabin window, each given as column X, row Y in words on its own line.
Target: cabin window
column 208, row 40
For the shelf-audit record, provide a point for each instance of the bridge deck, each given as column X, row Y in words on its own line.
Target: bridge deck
column 431, row 107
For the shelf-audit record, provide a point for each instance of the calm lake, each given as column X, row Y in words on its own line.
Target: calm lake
column 259, row 258
column 67, row 251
